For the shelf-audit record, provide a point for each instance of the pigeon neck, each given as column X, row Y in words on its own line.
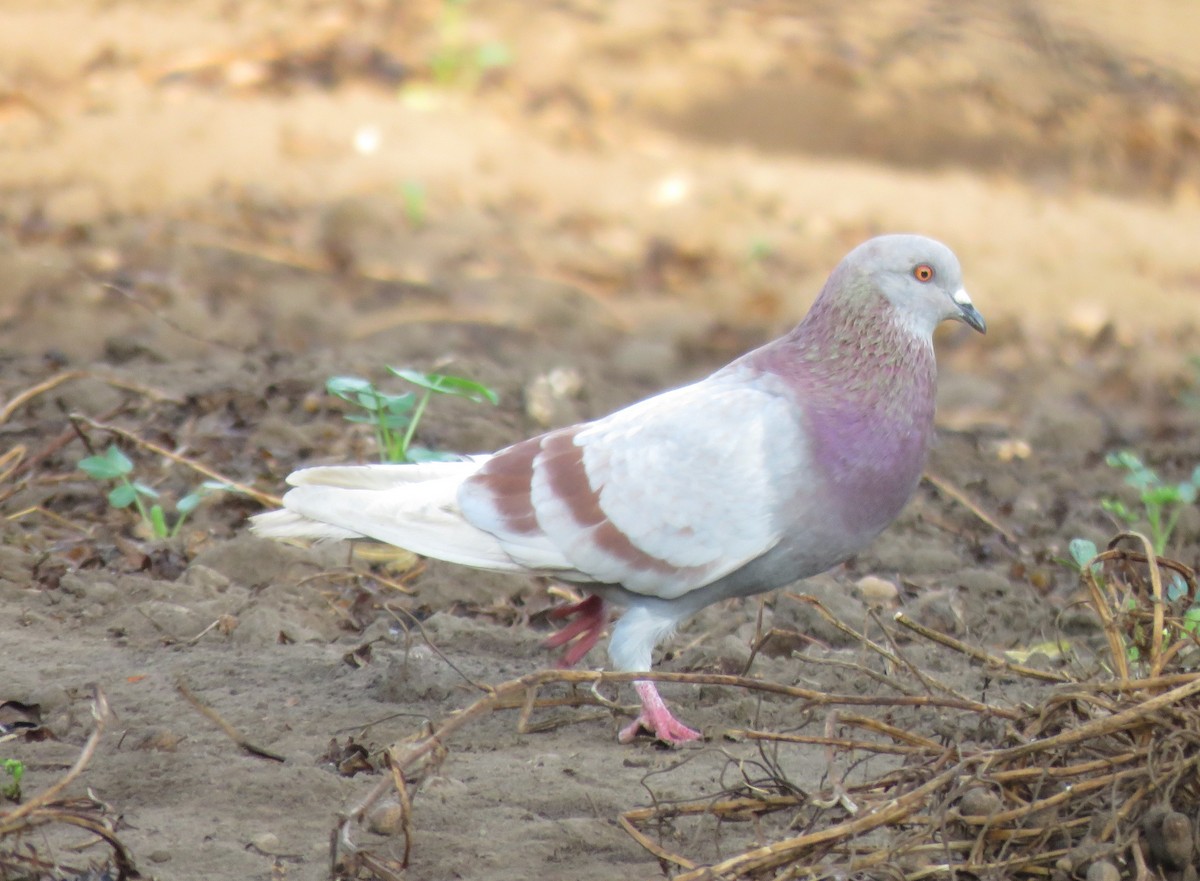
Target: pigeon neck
column 853, row 353
column 865, row 384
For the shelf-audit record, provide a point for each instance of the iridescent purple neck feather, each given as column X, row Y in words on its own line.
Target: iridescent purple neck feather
column 865, row 384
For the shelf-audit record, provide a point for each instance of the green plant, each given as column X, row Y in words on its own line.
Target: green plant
column 457, row 60
column 1083, row 557
column 1162, row 502
column 395, row 417
column 115, row 466
column 14, row 769
column 1082, row 552
column 416, row 205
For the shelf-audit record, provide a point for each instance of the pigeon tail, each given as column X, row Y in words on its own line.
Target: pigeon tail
column 411, row 506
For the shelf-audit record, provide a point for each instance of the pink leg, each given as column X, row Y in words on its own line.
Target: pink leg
column 591, row 617
column 656, row 719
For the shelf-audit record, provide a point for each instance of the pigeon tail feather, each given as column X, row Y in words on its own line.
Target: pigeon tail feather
column 411, row 506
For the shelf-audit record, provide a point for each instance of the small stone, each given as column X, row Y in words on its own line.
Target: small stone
column 1103, row 870
column 159, row 856
column 548, row 397
column 979, row 802
column 267, row 842
column 158, row 739
column 875, row 590
column 1169, row 837
column 386, row 818
column 1013, row 448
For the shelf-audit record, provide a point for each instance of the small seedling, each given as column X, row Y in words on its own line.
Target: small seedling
column 416, row 204
column 1083, row 552
column 395, row 417
column 457, row 60
column 1083, row 558
column 14, row 770
column 1162, row 502
column 115, row 466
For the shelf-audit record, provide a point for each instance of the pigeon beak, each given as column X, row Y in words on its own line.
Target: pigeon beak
column 968, row 314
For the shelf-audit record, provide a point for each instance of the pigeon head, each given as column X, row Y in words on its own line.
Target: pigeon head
column 918, row 277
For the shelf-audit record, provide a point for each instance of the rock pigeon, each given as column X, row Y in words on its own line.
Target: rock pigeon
column 777, row 467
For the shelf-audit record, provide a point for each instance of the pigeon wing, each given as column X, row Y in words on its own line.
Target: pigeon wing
column 662, row 497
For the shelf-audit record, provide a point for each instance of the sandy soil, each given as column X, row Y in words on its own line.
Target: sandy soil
column 207, row 211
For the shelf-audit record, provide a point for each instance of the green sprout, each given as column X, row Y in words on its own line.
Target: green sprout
column 395, row 417
column 1083, row 558
column 457, row 60
column 1083, row 552
column 416, row 204
column 14, row 769
column 1162, row 502
column 115, row 466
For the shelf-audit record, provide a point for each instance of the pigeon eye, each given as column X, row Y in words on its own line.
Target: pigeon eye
column 923, row 272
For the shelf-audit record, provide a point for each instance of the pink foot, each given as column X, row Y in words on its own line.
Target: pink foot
column 656, row 719
column 591, row 617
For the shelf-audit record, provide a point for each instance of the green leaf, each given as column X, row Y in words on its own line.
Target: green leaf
column 189, row 503
column 15, row 769
column 346, row 387
column 424, row 454
column 1124, row 459
column 111, row 465
column 493, row 55
column 212, row 486
column 1176, row 587
column 395, row 424
column 122, row 496
column 400, row 405
column 1161, row 495
column 1117, row 508
column 371, row 401
column 158, row 522
column 1082, row 551
column 1187, row 492
column 443, row 384
column 142, row 490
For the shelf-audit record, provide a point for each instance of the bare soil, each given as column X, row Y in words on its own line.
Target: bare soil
column 208, row 210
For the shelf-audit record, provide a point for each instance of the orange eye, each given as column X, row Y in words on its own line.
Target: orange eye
column 923, row 272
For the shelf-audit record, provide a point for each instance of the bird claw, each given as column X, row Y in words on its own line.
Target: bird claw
column 669, row 730
column 591, row 617
column 656, row 719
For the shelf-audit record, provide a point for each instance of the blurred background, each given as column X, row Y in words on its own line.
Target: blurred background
column 211, row 209
column 277, row 175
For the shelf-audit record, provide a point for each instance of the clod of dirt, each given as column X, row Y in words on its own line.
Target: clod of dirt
column 1169, row 838
column 386, row 818
column 415, row 675
column 158, row 738
column 940, row 610
column 979, row 802
column 1103, row 870
column 877, row 591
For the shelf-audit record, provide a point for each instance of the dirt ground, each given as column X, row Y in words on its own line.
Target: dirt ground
column 207, row 210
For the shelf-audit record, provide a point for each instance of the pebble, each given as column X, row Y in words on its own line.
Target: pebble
column 979, row 802
column 386, row 818
column 876, row 590
column 1103, row 870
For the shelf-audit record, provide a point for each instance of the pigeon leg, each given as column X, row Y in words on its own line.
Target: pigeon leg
column 656, row 719
column 591, row 617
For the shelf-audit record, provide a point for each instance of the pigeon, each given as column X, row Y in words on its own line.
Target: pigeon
column 779, row 466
